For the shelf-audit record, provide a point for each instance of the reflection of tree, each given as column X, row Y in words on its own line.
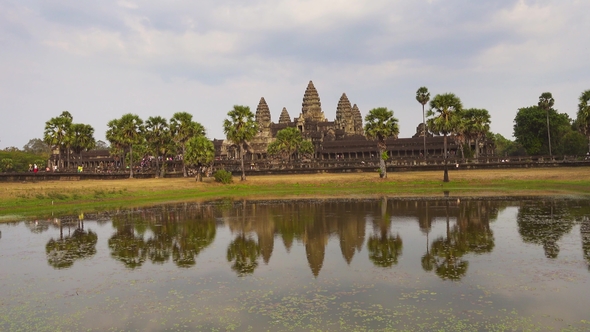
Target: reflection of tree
column 447, row 253
column 585, row 232
column 128, row 248
column 384, row 248
column 158, row 246
column 244, row 252
column 544, row 223
column 62, row 252
column 191, row 239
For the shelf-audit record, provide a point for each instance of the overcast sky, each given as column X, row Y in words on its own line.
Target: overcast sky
column 102, row 59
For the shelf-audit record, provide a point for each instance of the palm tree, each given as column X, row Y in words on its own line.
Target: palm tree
column 126, row 132
column 289, row 143
column 443, row 112
column 240, row 128
column 56, row 132
column 477, row 125
column 380, row 125
column 157, row 136
column 583, row 117
column 546, row 102
column 423, row 96
column 183, row 128
column 82, row 138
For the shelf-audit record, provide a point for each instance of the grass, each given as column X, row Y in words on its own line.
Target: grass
column 40, row 199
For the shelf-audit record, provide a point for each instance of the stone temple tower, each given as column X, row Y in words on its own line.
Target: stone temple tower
column 358, row 120
column 344, row 119
column 312, row 107
column 284, row 117
column 263, row 117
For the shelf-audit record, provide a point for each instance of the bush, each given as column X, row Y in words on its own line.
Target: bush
column 223, row 176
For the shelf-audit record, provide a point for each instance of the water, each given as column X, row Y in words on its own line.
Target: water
column 386, row 264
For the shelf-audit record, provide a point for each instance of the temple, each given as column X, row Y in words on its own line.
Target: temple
column 341, row 139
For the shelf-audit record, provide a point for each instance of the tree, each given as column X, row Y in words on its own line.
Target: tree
column 444, row 110
column 37, row 146
column 101, row 145
column 125, row 133
column 6, row 165
column 477, row 125
column 240, row 128
column 290, row 143
column 423, row 96
column 506, row 147
column 546, row 102
column 56, row 133
column 583, row 116
column 157, row 136
column 81, row 138
column 183, row 128
column 200, row 152
column 530, row 128
column 380, row 124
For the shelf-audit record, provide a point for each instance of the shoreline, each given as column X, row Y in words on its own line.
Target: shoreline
column 31, row 200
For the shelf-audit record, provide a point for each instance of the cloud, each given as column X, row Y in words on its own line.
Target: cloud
column 107, row 58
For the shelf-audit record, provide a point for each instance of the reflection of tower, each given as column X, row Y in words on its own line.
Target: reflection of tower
column 315, row 239
column 265, row 231
column 315, row 248
column 351, row 232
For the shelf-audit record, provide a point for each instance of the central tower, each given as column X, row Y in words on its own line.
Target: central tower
column 311, row 109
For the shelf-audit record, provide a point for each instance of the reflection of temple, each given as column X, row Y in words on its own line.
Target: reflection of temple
column 342, row 138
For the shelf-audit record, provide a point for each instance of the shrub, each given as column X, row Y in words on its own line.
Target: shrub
column 223, row 176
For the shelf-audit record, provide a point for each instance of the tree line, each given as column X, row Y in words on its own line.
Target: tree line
column 538, row 130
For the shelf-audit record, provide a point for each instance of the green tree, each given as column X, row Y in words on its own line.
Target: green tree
column 380, row 124
column 56, row 134
column 6, row 165
column 423, row 96
column 506, row 147
column 183, row 128
column 125, row 133
column 477, row 123
column 81, row 138
column 443, row 113
column 583, row 116
column 200, row 152
column 158, row 137
column 530, row 128
column 37, row 146
column 240, row 128
column 289, row 143
column 546, row 102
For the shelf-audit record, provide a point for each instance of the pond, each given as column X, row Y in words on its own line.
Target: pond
column 300, row 265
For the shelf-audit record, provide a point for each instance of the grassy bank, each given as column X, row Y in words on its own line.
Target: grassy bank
column 41, row 199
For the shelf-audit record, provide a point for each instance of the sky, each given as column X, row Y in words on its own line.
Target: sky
column 101, row 59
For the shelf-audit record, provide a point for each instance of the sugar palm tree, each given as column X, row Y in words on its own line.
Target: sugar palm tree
column 380, row 124
column 477, row 123
column 56, row 133
column 183, row 128
column 546, row 102
column 126, row 132
column 443, row 112
column 423, row 96
column 583, row 116
column 239, row 128
column 157, row 136
column 82, row 138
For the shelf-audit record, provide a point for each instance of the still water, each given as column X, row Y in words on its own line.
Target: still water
column 329, row 265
